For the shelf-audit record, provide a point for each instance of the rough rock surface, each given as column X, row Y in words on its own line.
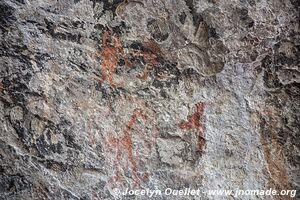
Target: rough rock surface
column 104, row 94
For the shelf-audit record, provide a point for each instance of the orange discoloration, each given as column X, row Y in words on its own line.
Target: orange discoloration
column 273, row 149
column 1, row 87
column 115, row 142
column 110, row 56
column 151, row 55
column 153, row 46
column 125, row 143
column 150, row 59
column 194, row 123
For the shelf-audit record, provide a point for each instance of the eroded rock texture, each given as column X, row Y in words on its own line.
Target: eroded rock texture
column 103, row 94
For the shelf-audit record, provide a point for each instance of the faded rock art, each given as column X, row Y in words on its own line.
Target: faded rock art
column 102, row 97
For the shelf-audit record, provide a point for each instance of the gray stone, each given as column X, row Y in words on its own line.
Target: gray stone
column 112, row 94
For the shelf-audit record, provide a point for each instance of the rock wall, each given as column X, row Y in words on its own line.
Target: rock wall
column 104, row 94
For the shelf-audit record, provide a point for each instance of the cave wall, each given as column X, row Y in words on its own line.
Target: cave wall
column 104, row 94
